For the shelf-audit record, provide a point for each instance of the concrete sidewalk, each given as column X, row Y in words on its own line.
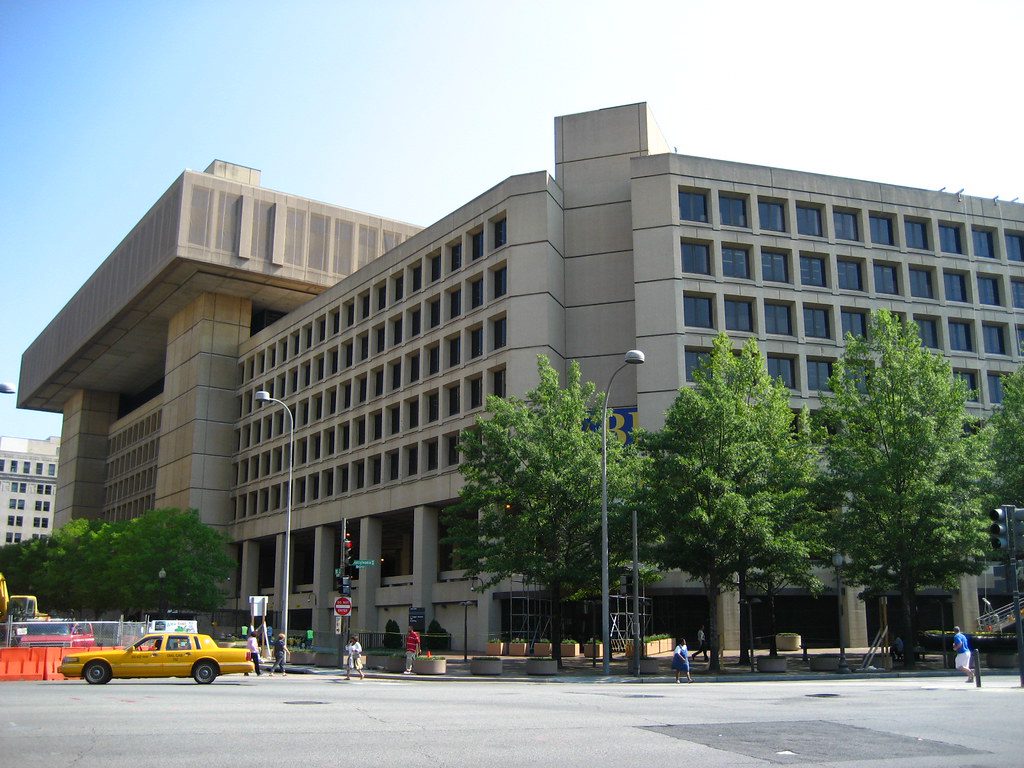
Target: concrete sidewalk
column 583, row 670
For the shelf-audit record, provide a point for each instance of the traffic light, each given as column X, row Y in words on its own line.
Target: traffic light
column 346, row 550
column 1007, row 529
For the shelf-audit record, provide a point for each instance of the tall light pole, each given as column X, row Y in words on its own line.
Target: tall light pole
column 633, row 357
column 262, row 396
column 839, row 560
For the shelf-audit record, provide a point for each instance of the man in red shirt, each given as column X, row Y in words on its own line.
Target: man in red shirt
column 412, row 649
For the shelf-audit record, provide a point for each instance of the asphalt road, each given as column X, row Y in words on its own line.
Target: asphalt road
column 314, row 720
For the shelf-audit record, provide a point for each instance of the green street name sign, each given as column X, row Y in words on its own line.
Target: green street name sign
column 364, row 563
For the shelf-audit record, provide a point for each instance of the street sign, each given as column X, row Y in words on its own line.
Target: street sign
column 343, row 606
column 364, row 563
column 337, row 624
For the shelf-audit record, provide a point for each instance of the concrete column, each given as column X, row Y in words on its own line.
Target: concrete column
column 197, row 436
column 855, row 615
column 82, row 467
column 484, row 620
column 323, row 585
column 424, row 559
column 965, row 604
column 728, row 615
column 250, row 572
column 370, row 529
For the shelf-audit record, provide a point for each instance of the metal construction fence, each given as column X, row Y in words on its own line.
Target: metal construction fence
column 58, row 633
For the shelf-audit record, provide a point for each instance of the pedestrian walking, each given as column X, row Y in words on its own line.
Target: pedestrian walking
column 681, row 660
column 963, row 654
column 702, row 642
column 412, row 649
column 354, row 651
column 280, row 650
column 254, row 652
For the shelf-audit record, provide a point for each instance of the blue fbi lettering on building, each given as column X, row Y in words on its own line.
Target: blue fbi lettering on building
column 620, row 424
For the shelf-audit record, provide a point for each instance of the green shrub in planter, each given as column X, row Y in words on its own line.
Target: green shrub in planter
column 392, row 635
column 435, row 638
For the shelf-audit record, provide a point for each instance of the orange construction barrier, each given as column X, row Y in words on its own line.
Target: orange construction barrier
column 19, row 664
column 52, row 657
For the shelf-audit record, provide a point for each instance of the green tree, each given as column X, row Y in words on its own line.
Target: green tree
column 193, row 555
column 531, row 500
column 728, row 476
column 1007, row 446
column 906, row 463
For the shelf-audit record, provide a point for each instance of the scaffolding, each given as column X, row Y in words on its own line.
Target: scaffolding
column 529, row 616
column 621, row 622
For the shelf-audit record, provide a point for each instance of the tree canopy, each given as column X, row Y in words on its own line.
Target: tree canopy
column 93, row 566
column 728, row 477
column 905, row 462
column 532, row 495
column 1007, row 446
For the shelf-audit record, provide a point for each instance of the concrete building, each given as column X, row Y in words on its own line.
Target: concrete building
column 384, row 340
column 28, row 486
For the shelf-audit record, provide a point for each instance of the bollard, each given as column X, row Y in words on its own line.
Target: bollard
column 976, row 660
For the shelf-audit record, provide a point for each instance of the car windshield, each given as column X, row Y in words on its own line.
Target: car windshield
column 49, row 629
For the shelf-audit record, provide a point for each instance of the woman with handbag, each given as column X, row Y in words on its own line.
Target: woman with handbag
column 355, row 657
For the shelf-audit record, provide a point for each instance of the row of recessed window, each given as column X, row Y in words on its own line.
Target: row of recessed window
column 849, row 275
column 37, row 522
column 818, row 372
column 384, row 379
column 739, row 314
column 42, row 489
column 847, row 224
column 446, row 402
column 25, row 467
column 410, row 323
column 393, row 465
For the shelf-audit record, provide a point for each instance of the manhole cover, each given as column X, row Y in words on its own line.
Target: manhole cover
column 305, row 702
column 822, row 695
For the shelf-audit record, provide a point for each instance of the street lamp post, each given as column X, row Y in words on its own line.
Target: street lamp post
column 633, row 357
column 839, row 560
column 163, row 594
column 262, row 396
column 636, row 599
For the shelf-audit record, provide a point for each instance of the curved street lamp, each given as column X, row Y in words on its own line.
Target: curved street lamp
column 262, row 396
column 633, row 357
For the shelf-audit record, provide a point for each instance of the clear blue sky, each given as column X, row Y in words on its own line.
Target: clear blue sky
column 409, row 109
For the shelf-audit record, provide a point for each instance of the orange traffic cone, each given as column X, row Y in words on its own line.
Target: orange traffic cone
column 428, row 654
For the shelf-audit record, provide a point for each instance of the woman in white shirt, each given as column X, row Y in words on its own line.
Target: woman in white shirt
column 355, row 657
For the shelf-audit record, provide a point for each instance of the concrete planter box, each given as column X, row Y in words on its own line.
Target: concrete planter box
column 485, row 667
column 377, row 661
column 787, row 642
column 823, row 663
column 768, row 664
column 569, row 650
column 541, row 667
column 496, row 648
column 1001, row 660
column 593, row 650
column 647, row 667
column 541, row 649
column 430, row 666
column 517, row 649
column 394, row 664
column 302, row 658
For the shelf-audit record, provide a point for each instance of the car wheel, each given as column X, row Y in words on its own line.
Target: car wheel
column 204, row 672
column 96, row 673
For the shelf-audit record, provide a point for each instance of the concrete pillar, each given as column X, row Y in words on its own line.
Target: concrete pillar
column 249, row 580
column 728, row 616
column 484, row 620
column 370, row 529
column 324, row 585
column 197, row 436
column 424, row 559
column 965, row 604
column 82, row 466
column 855, row 619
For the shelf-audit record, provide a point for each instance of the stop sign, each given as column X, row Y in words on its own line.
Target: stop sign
column 343, row 606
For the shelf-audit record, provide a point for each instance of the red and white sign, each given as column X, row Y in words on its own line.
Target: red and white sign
column 343, row 606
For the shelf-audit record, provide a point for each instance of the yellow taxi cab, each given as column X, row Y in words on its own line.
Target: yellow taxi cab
column 159, row 655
